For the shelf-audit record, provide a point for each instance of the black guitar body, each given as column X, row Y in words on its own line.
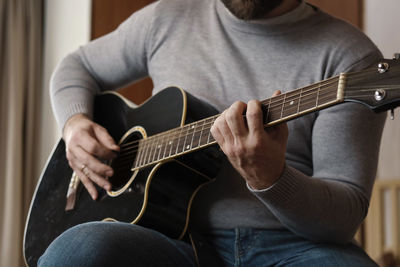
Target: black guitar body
column 158, row 198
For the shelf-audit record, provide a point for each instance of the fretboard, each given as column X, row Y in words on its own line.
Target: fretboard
column 277, row 109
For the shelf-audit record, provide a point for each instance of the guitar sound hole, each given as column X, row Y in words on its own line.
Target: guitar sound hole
column 123, row 163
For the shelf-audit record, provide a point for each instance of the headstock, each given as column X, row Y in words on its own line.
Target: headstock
column 377, row 87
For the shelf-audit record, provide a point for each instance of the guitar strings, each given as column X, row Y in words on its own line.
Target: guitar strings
column 291, row 98
column 286, row 98
column 304, row 103
column 152, row 156
column 278, row 102
column 151, row 145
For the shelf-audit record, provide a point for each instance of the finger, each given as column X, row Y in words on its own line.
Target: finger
column 235, row 119
column 105, row 138
column 91, row 176
column 216, row 134
column 91, row 145
column 223, row 128
column 277, row 92
column 83, row 157
column 87, row 183
column 100, row 181
column 254, row 116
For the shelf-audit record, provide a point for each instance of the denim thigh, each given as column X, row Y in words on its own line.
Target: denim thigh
column 116, row 244
column 256, row 247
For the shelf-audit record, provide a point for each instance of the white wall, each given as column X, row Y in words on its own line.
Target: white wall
column 381, row 23
column 67, row 25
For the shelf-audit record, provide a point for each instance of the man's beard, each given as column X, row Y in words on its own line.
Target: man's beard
column 251, row 9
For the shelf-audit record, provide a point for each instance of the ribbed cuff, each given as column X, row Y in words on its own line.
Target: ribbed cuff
column 283, row 189
column 71, row 101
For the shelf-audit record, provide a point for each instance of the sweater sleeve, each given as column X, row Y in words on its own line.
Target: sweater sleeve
column 331, row 204
column 107, row 63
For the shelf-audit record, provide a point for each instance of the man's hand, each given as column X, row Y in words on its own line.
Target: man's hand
column 87, row 143
column 257, row 154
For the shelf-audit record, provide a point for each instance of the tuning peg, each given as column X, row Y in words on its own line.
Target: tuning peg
column 392, row 114
column 396, row 56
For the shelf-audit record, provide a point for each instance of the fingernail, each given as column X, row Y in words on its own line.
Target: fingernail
column 107, row 187
column 109, row 173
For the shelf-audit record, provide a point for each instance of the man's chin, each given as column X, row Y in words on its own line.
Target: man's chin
column 251, row 9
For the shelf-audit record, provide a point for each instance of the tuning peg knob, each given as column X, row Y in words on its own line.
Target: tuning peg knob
column 379, row 94
column 383, row 67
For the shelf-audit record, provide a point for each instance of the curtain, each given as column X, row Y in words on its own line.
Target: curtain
column 21, row 24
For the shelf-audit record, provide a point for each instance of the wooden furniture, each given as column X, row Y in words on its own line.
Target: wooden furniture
column 106, row 16
column 348, row 10
column 382, row 223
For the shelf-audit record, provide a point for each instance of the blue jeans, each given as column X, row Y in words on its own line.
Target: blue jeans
column 122, row 244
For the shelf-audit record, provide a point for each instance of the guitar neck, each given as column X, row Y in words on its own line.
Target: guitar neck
column 277, row 109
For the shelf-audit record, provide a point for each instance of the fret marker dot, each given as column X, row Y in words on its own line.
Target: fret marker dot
column 192, row 126
column 291, row 102
column 187, row 147
column 170, row 143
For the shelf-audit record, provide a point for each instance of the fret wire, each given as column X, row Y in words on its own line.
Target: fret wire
column 151, row 145
column 178, row 139
column 317, row 98
column 160, row 146
column 186, row 136
column 138, row 155
column 209, row 132
column 207, row 122
column 154, row 150
column 171, row 144
column 145, row 152
column 201, row 133
column 184, row 139
column 195, row 132
column 283, row 104
column 157, row 148
column 155, row 143
column 268, row 109
column 193, row 127
column 166, row 144
column 299, row 101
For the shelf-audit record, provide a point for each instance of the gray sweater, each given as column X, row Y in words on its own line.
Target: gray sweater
column 200, row 46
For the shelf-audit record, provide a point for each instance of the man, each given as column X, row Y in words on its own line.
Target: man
column 277, row 200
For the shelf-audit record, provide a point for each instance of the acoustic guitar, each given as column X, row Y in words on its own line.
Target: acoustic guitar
column 168, row 153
